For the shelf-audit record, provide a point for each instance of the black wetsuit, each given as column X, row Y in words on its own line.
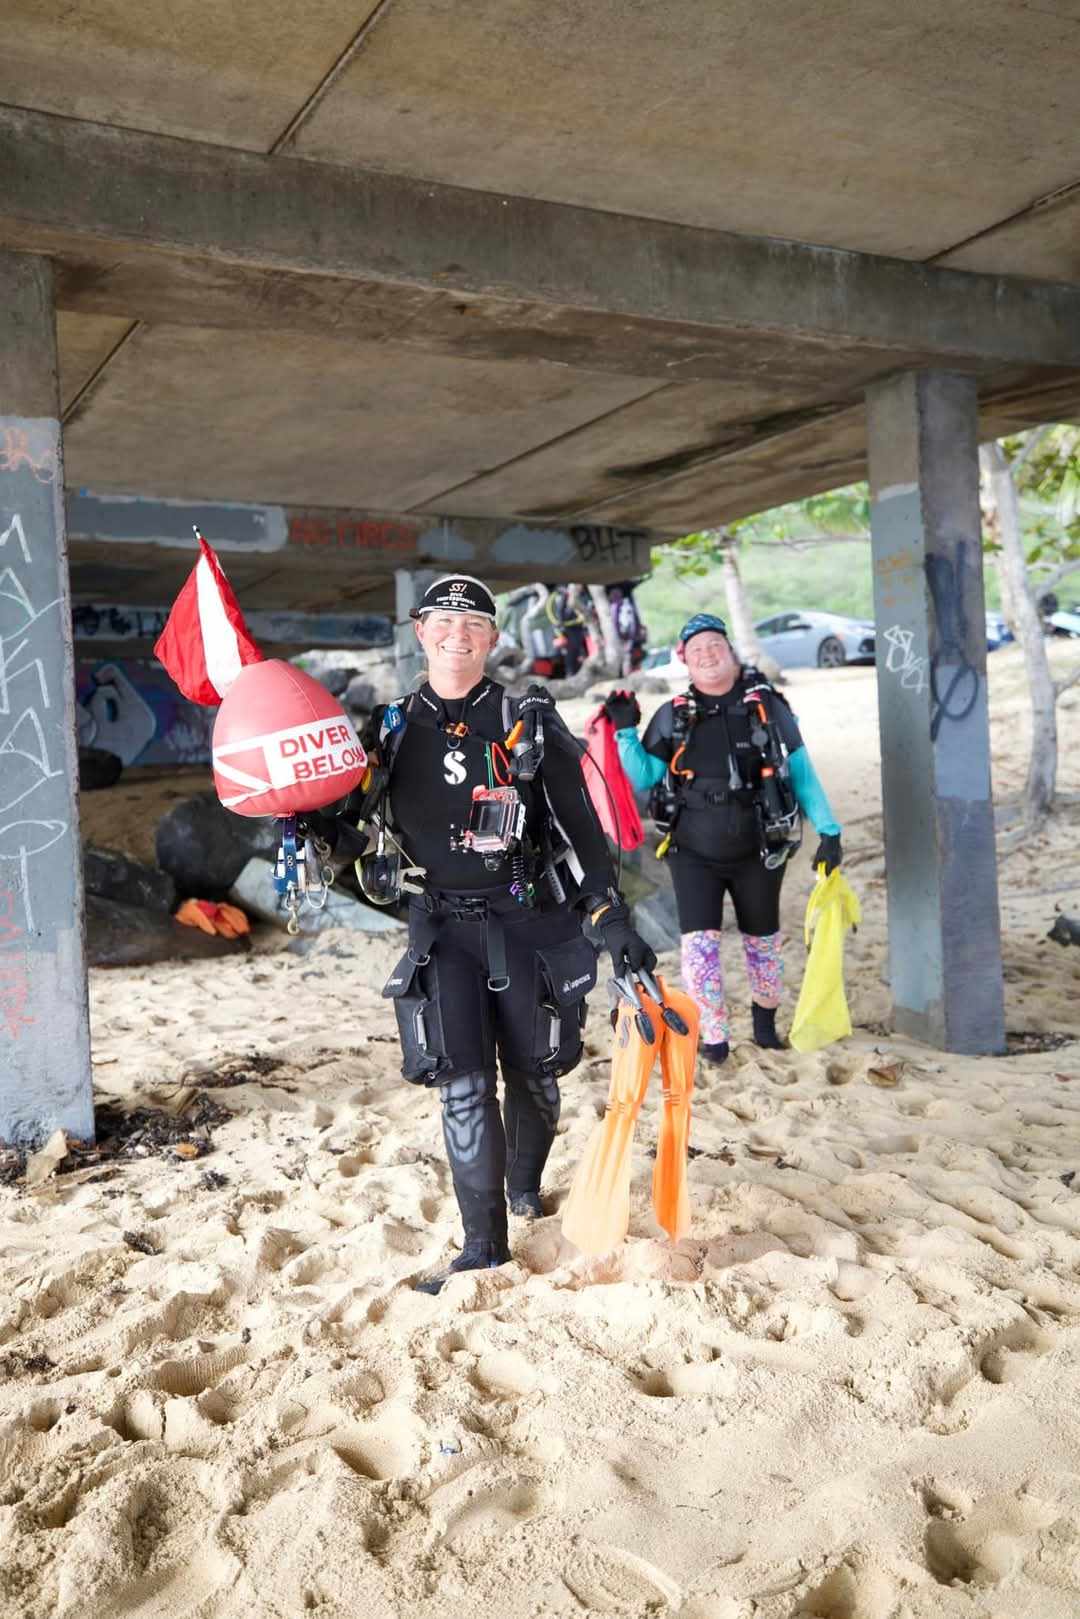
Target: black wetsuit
column 715, row 845
column 487, row 979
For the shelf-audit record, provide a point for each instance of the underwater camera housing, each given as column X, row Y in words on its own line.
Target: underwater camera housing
column 496, row 823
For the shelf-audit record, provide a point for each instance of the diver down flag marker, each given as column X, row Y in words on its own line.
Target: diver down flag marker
column 205, row 642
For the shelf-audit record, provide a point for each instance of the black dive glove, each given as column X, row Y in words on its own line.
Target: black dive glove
column 829, row 853
column 627, row 947
column 622, row 709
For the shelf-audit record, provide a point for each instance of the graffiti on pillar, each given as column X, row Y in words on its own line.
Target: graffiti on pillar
column 902, row 660
column 954, row 681
column 614, row 547
column 29, row 707
column 16, row 451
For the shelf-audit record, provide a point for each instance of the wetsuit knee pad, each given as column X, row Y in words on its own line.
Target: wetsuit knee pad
column 465, row 1100
column 538, row 1089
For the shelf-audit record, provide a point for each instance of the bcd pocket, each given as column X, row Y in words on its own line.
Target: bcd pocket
column 565, row 975
column 413, row 988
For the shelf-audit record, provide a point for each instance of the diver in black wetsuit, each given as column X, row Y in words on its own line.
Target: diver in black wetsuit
column 497, row 967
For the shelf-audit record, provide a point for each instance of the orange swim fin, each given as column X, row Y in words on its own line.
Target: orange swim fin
column 597, row 1212
column 678, row 1054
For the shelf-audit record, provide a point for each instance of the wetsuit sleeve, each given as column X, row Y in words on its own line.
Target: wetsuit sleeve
column 810, row 793
column 643, row 769
column 564, row 783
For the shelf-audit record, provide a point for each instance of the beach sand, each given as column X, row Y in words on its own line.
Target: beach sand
column 853, row 1392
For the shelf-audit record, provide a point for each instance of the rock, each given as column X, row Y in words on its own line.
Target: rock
column 98, row 768
column 1066, row 930
column 359, row 694
column 111, row 875
column 120, row 935
column 337, row 681
column 254, row 892
column 656, row 919
column 204, row 847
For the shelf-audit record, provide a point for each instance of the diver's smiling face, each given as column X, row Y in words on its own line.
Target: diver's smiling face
column 712, row 664
column 456, row 646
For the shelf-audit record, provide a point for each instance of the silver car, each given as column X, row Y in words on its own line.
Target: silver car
column 827, row 640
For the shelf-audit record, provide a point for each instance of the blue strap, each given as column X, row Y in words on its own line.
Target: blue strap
column 286, row 867
column 643, row 769
column 811, row 794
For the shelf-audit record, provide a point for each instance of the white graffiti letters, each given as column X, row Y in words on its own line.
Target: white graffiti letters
column 913, row 671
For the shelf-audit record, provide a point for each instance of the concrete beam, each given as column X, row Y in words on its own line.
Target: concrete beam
column 69, row 185
column 44, row 1021
column 113, row 629
column 346, row 544
column 929, row 606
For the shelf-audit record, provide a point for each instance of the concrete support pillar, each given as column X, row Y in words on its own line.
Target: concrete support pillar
column 44, row 1027
column 409, row 586
column 941, row 869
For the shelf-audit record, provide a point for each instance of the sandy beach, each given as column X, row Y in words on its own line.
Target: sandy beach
column 853, row 1392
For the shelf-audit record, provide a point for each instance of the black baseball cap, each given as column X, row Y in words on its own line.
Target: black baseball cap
column 457, row 593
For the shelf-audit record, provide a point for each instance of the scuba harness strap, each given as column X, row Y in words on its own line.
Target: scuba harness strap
column 775, row 806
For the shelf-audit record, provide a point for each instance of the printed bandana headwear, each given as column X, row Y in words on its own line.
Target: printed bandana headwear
column 457, row 593
column 699, row 622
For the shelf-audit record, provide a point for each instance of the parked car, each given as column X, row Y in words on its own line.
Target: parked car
column 827, row 640
column 998, row 632
column 1066, row 621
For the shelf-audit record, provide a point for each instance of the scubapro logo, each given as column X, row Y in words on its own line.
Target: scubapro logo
column 574, row 983
column 454, row 771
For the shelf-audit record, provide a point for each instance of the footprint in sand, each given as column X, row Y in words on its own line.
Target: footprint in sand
column 507, row 1375
column 1001, row 1534
column 199, row 1373
column 606, row 1579
column 678, row 1382
column 495, row 1510
column 850, row 1592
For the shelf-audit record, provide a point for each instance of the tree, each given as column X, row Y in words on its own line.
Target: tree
column 1047, row 461
column 696, row 555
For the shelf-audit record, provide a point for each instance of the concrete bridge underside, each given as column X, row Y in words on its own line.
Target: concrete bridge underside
column 516, row 288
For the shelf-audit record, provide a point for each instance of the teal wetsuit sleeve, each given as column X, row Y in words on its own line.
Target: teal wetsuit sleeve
column 809, row 792
column 643, row 769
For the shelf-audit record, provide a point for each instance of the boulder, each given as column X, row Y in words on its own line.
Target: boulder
column 254, row 892
column 337, row 681
column 656, row 919
column 204, row 847
column 360, row 694
column 98, row 768
column 119, row 935
column 110, row 875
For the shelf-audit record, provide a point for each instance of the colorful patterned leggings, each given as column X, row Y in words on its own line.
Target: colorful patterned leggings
column 703, row 976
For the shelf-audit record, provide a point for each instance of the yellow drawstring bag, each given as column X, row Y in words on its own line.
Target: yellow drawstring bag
column 821, row 1015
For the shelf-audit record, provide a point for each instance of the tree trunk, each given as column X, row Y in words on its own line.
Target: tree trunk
column 609, row 641
column 743, row 635
column 1042, row 765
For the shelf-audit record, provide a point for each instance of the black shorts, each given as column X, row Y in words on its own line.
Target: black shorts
column 700, row 887
column 452, row 1022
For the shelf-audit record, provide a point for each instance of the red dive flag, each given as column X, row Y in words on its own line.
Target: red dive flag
column 205, row 642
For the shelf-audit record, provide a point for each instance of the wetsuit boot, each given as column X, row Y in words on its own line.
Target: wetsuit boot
column 530, row 1113
column 765, row 1034
column 476, row 1149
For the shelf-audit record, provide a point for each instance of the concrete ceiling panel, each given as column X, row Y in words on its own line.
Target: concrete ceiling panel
column 234, row 73
column 872, row 126
column 1045, row 243
column 307, row 421
column 83, row 343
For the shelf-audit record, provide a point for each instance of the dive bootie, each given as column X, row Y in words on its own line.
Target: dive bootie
column 474, row 1256
column 716, row 1053
column 525, row 1205
column 765, row 1034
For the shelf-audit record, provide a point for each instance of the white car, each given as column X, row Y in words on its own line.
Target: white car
column 824, row 640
